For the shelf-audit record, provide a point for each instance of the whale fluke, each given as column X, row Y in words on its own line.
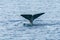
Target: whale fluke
column 30, row 17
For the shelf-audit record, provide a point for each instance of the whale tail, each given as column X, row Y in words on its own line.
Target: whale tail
column 31, row 18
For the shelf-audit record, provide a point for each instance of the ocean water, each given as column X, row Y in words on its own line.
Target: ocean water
column 11, row 23
column 15, row 30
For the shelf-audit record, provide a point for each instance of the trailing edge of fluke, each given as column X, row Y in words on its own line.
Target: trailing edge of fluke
column 30, row 17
